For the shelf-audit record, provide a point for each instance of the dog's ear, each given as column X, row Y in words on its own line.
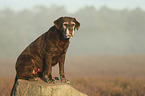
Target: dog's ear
column 58, row 22
column 77, row 24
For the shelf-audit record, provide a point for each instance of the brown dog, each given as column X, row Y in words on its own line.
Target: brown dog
column 46, row 51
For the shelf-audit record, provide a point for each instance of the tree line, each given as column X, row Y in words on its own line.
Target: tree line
column 102, row 31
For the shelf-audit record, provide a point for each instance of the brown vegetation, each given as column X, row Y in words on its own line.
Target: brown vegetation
column 110, row 86
column 99, row 76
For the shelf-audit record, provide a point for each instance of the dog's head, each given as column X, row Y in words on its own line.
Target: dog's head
column 67, row 25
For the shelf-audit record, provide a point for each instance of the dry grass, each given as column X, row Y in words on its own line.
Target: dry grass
column 95, row 86
column 5, row 86
column 95, row 76
column 110, row 86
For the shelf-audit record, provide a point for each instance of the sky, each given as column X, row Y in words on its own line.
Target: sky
column 72, row 5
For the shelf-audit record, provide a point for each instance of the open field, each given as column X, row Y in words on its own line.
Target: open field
column 95, row 86
column 93, row 75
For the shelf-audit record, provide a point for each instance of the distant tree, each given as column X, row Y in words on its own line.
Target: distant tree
column 104, row 30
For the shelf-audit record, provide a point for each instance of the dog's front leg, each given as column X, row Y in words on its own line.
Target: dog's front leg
column 61, row 66
column 61, row 69
column 47, row 73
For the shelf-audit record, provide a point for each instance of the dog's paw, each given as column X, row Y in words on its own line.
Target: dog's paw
column 51, row 81
column 56, row 78
column 44, row 79
column 63, row 80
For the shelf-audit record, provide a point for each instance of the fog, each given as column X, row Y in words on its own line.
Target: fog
column 109, row 44
column 102, row 32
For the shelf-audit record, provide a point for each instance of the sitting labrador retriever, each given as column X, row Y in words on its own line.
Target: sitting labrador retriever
column 46, row 51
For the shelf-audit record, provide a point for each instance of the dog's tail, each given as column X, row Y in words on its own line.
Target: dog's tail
column 12, row 92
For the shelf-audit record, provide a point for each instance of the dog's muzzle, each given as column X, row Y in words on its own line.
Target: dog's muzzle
column 68, row 33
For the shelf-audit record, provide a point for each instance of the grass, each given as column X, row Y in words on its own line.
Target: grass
column 95, row 76
column 5, row 86
column 110, row 86
column 95, row 86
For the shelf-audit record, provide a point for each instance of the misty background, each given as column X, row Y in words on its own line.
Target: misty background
column 103, row 31
column 110, row 40
column 106, row 55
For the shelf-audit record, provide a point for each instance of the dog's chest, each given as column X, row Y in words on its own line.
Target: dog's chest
column 60, row 48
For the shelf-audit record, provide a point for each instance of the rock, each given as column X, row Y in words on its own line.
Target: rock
column 41, row 88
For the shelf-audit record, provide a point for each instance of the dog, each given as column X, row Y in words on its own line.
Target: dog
column 46, row 51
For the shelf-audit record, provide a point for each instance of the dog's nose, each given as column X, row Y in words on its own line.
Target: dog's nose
column 69, row 35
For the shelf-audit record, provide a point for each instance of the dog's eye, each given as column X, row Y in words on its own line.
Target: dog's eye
column 73, row 24
column 65, row 24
